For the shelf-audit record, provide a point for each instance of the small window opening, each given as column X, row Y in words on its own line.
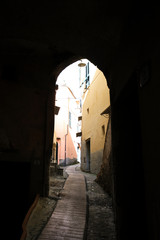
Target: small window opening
column 103, row 129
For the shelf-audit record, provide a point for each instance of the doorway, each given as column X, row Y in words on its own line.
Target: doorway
column 88, row 155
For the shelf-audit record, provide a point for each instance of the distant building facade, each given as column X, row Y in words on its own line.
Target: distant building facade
column 67, row 147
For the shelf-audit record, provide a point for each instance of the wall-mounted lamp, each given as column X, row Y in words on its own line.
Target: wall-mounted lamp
column 81, row 64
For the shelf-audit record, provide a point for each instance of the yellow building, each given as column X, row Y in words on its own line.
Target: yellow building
column 95, row 100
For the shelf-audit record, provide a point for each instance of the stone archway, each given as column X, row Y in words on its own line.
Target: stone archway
column 37, row 41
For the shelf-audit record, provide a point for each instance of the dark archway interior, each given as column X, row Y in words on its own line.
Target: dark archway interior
column 37, row 41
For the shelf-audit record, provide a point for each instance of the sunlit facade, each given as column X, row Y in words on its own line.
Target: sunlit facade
column 66, row 126
column 95, row 99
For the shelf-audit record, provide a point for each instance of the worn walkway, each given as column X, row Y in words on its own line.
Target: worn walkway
column 69, row 217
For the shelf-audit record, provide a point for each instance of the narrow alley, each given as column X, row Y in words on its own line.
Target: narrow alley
column 83, row 211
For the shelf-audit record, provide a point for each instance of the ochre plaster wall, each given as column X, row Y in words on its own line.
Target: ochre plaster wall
column 97, row 99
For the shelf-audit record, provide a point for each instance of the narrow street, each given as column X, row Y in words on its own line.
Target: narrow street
column 83, row 210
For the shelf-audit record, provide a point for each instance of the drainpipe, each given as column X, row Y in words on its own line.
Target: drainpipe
column 66, row 145
column 66, row 135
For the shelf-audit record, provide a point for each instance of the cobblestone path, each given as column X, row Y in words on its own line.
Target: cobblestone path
column 100, row 222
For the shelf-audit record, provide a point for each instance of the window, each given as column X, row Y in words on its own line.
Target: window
column 87, row 79
column 103, row 130
column 70, row 120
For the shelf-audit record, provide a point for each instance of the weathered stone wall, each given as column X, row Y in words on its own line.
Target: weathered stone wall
column 96, row 161
column 105, row 175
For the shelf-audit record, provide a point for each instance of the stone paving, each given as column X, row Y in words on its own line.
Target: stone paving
column 69, row 217
column 100, row 216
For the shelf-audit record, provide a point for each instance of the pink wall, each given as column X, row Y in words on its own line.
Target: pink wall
column 71, row 151
column 70, row 148
column 61, row 125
